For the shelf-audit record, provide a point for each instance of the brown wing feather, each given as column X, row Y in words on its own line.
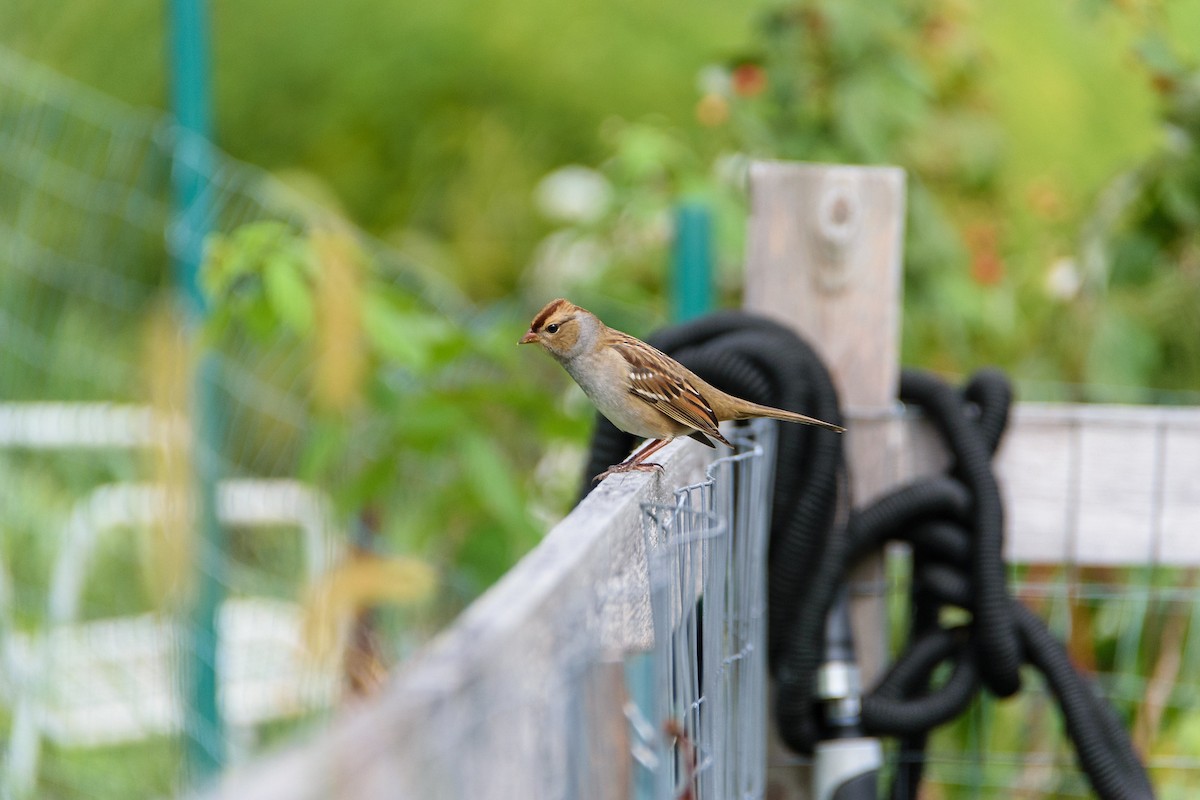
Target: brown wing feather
column 654, row 378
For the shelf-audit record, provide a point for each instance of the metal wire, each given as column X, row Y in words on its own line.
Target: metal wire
column 84, row 248
column 1134, row 626
column 707, row 575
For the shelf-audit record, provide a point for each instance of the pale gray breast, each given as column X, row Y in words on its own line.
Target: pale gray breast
column 612, row 398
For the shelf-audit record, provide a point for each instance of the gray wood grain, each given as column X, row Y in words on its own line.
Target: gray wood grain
column 823, row 256
column 1084, row 484
column 487, row 710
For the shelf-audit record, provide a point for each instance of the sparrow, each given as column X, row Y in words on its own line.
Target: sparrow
column 640, row 389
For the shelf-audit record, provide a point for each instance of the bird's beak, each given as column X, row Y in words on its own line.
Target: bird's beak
column 529, row 338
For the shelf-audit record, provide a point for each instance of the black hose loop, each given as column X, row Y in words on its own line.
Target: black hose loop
column 898, row 705
column 891, row 515
column 990, row 392
column 1101, row 742
column 953, row 522
column 1000, row 649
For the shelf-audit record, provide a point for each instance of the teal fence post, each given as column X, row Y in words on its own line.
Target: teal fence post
column 191, row 167
column 692, row 262
column 650, row 774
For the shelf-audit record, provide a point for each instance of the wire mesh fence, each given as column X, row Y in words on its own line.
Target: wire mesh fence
column 1135, row 630
column 96, row 549
column 623, row 657
column 94, row 444
column 1097, row 500
column 708, row 592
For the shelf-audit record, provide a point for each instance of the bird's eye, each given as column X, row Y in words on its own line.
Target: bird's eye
column 552, row 328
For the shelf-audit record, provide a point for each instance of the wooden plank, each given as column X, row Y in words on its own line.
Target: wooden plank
column 1092, row 485
column 823, row 257
column 1179, row 542
column 1102, row 484
column 488, row 710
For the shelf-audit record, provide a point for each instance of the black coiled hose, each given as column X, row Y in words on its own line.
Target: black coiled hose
column 953, row 522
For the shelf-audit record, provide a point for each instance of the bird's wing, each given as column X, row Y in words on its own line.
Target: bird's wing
column 656, row 379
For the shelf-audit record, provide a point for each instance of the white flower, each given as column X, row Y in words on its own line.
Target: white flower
column 573, row 194
column 714, row 79
column 564, row 259
column 1063, row 280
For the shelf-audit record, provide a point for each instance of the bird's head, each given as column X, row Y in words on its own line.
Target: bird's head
column 564, row 329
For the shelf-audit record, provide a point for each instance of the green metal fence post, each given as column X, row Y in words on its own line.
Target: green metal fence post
column 192, row 157
column 692, row 262
column 650, row 772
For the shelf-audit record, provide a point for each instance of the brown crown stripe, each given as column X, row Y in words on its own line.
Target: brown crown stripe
column 550, row 308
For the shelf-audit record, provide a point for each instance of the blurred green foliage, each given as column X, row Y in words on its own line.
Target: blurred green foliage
column 1141, row 247
column 432, row 435
column 432, row 126
column 428, row 123
column 1036, row 141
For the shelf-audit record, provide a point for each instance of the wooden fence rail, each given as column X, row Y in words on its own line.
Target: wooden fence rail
column 1083, row 484
column 486, row 711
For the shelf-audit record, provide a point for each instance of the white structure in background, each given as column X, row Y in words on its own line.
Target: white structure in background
column 52, row 426
column 103, row 682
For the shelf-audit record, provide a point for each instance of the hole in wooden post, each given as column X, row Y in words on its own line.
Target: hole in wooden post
column 840, row 211
column 838, row 220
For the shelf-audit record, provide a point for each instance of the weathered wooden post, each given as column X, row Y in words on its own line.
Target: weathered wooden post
column 824, row 257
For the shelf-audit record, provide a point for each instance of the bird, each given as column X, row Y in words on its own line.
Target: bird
column 639, row 388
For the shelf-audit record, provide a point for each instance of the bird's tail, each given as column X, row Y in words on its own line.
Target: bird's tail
column 755, row 410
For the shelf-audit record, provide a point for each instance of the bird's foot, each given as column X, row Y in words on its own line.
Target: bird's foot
column 637, row 466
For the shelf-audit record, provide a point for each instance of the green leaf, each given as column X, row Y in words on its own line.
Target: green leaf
column 326, row 441
column 288, row 293
column 1180, row 201
column 213, row 272
column 427, row 422
column 413, row 339
column 391, row 333
column 259, row 318
column 483, row 557
column 492, row 482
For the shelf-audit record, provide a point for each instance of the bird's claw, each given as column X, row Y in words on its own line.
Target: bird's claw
column 641, row 466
